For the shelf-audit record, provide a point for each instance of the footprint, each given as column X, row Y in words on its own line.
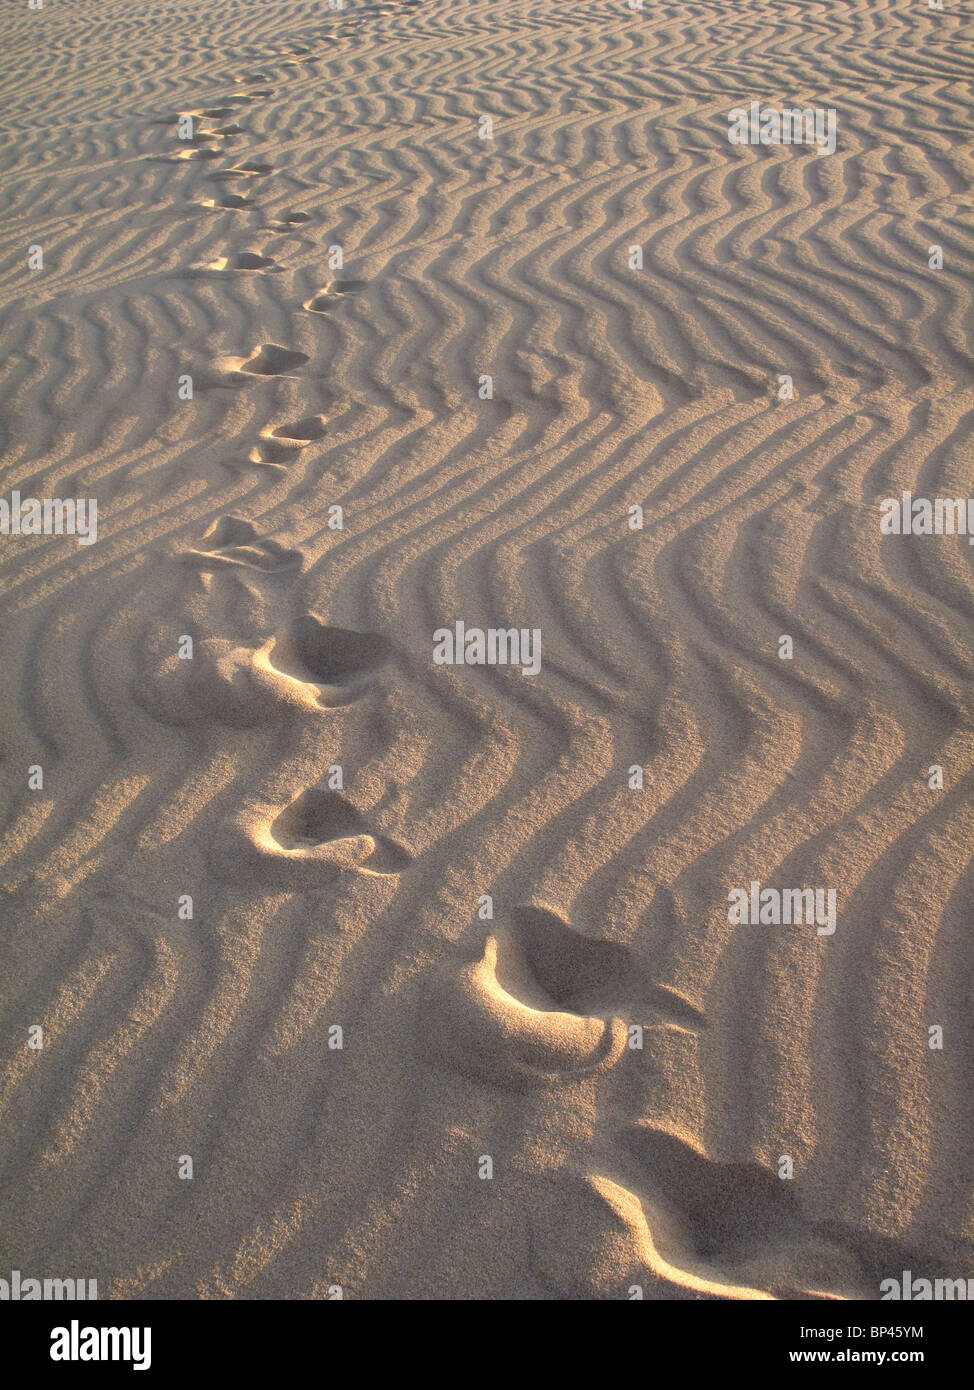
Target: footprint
column 235, row 542
column 203, row 133
column 336, row 661
column 267, row 360
column 589, row 976
column 324, row 299
column 726, row 1208
column 218, row 132
column 269, row 453
column 578, row 973
column 279, row 447
column 272, row 360
column 198, row 154
column 614, row 1241
column 288, row 221
column 317, row 837
column 729, row 1229
column 231, row 202
column 547, row 1004
column 320, row 818
column 244, row 260
column 307, row 667
column 680, row 1225
column 319, row 303
column 303, row 431
column 493, row 1021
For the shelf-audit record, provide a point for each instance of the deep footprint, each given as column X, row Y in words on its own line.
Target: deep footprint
column 729, row 1209
column 281, row 446
column 334, row 658
column 230, row 202
column 244, row 260
column 273, row 360
column 732, row 1227
column 317, row 837
column 311, row 427
column 319, row 818
column 494, row 1021
column 288, row 221
column 589, row 976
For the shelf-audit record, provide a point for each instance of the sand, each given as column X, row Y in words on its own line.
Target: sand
column 364, row 974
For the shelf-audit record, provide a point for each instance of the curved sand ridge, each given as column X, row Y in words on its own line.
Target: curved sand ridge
column 357, row 903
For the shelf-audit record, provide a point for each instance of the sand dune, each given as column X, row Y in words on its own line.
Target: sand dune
column 432, row 920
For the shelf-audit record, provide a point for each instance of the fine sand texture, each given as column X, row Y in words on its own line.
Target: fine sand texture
column 329, row 969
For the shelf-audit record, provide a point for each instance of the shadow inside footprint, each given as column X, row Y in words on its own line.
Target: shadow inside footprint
column 272, row 360
column 332, row 655
column 546, row 1004
column 244, row 260
column 319, row 303
column 315, row 818
column 274, row 453
column 321, row 818
column 588, row 976
column 730, row 1210
column 311, row 427
column 578, row 973
column 281, row 446
column 229, row 201
column 727, row 1229
column 493, row 1020
column 331, row 666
